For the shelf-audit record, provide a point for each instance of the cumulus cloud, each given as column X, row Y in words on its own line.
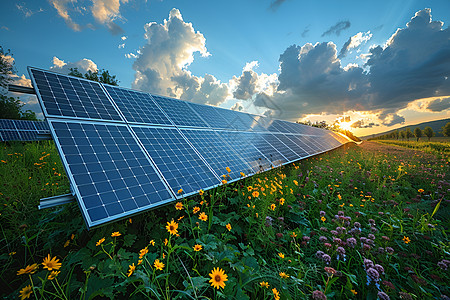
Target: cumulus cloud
column 83, row 65
column 61, row 8
column 337, row 28
column 312, row 79
column 161, row 64
column 354, row 42
column 106, row 12
column 26, row 11
column 438, row 105
column 237, row 106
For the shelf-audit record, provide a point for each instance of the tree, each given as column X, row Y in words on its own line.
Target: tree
column 104, row 76
column 10, row 107
column 418, row 133
column 402, row 134
column 396, row 134
column 408, row 133
column 428, row 132
column 446, row 129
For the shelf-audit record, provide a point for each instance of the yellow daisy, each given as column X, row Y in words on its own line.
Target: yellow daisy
column 26, row 292
column 218, row 278
column 172, row 227
column 158, row 265
column 51, row 263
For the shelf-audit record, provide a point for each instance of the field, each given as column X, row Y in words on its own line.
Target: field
column 439, row 146
column 361, row 222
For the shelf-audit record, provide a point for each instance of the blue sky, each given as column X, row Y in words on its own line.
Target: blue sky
column 291, row 59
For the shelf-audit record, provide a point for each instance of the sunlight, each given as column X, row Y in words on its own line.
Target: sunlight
column 345, row 125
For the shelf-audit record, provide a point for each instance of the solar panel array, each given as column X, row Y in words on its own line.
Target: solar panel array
column 23, row 130
column 127, row 151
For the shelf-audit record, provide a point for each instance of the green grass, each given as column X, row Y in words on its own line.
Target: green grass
column 301, row 211
column 439, row 146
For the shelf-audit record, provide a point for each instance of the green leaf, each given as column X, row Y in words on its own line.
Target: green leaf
column 129, row 240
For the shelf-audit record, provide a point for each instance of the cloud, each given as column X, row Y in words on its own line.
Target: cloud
column 237, row 106
column 305, row 31
column 413, row 64
column 121, row 46
column 161, row 64
column 337, row 28
column 83, row 65
column 438, row 104
column 274, row 5
column 26, row 11
column 123, row 38
column 4, row 28
column 354, row 42
column 106, row 12
column 61, row 8
column 393, row 119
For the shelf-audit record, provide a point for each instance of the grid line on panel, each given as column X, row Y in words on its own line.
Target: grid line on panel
column 301, row 143
column 234, row 121
column 251, row 155
column 112, row 174
column 182, row 167
column 22, row 130
column 64, row 96
column 287, row 152
column 210, row 115
column 300, row 151
column 179, row 112
column 317, row 142
column 269, row 151
column 137, row 107
column 217, row 153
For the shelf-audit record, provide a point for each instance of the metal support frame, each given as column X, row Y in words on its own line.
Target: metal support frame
column 56, row 200
column 21, row 89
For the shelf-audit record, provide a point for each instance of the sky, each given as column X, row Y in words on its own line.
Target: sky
column 371, row 65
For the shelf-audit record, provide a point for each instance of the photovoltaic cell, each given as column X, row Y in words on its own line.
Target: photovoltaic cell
column 210, row 115
column 310, row 149
column 284, row 149
column 23, row 130
column 65, row 96
column 275, row 157
column 137, row 107
column 300, row 151
column 240, row 143
column 111, row 173
column 176, row 159
column 179, row 112
column 217, row 153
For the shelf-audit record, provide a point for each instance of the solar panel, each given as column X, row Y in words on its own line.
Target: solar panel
column 23, row 130
column 281, row 147
column 211, row 115
column 182, row 167
column 137, row 107
column 310, row 149
column 272, row 154
column 64, row 96
column 112, row 176
column 252, row 156
column 179, row 112
column 217, row 153
column 295, row 147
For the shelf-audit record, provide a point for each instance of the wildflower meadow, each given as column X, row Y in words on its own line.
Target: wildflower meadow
column 365, row 221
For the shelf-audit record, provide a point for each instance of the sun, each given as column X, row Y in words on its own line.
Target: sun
column 346, row 125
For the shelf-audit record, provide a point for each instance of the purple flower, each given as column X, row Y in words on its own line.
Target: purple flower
column 337, row 240
column 324, row 229
column 326, row 258
column 328, row 245
column 318, row 295
column 362, row 239
column 351, row 242
column 340, row 250
column 371, row 221
column 366, row 247
column 340, row 213
column 334, row 232
column 373, row 274
column 322, row 213
column 380, row 250
column 379, row 268
column 323, row 239
column 319, row 254
column 373, row 229
column 357, row 225
column 368, row 263
column 383, row 296
column 306, row 238
column 371, row 236
column 390, row 250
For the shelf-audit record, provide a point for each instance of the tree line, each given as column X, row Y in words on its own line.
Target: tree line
column 417, row 133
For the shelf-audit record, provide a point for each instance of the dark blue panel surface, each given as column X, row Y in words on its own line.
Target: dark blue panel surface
column 179, row 112
column 211, row 115
column 64, row 96
column 217, row 153
column 176, row 159
column 269, row 151
column 284, row 149
column 113, row 176
column 137, row 107
column 297, row 148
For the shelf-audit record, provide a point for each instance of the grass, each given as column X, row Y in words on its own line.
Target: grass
column 439, row 146
column 354, row 223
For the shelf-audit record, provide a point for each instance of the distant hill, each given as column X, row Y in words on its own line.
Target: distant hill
column 435, row 125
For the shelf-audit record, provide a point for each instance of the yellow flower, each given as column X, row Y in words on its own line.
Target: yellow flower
column 53, row 275
column 139, row 262
column 406, row 239
column 152, row 242
column 195, row 210
column 52, row 263
column 179, row 206
column 218, row 278
column 26, row 292
column 100, row 241
column 116, row 234
column 203, row 217
column 249, row 188
column 323, row 219
column 283, row 275
column 273, row 206
column 282, row 201
column 66, row 244
column 295, row 182
column 201, row 192
column 264, row 284
column 255, row 194
column 172, row 227
column 28, row 269
column 158, row 265
column 276, row 294
column 131, row 269
column 354, row 292
column 293, row 234
column 228, row 226
column 180, row 191
column 198, row 247
column 339, row 197
column 224, row 181
column 165, row 242
column 420, row 190
column 228, row 169
column 142, row 252
column 242, row 174
column 281, row 255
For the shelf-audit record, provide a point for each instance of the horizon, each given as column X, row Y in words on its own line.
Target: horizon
column 294, row 61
